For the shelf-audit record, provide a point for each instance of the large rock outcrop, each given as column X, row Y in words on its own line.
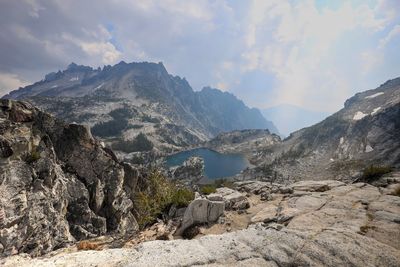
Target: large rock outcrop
column 57, row 183
column 201, row 211
column 313, row 224
column 233, row 199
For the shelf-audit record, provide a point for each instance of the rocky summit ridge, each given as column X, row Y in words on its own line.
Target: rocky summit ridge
column 126, row 99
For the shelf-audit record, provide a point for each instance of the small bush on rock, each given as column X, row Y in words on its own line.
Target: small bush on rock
column 397, row 191
column 160, row 194
column 208, row 189
column 140, row 143
column 33, row 156
column 223, row 183
column 373, row 173
column 87, row 245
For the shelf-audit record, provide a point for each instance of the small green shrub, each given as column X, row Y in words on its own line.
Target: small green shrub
column 147, row 118
column 140, row 143
column 208, row 189
column 373, row 173
column 157, row 197
column 109, row 128
column 135, row 126
column 121, row 113
column 182, row 197
column 223, row 183
column 33, row 156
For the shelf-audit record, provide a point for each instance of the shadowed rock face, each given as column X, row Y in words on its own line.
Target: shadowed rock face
column 57, row 184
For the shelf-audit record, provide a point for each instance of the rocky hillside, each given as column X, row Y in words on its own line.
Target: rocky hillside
column 57, row 183
column 121, row 101
column 244, row 141
column 366, row 131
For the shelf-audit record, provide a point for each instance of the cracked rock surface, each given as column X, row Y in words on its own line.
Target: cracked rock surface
column 57, row 184
column 336, row 225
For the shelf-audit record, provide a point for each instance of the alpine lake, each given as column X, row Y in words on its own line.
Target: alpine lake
column 216, row 165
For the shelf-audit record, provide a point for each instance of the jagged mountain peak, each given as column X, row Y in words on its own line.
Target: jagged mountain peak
column 147, row 87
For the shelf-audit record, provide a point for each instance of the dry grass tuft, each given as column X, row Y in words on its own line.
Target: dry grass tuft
column 87, row 245
column 397, row 191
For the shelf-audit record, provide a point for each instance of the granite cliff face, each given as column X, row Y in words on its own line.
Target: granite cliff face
column 57, row 184
column 123, row 100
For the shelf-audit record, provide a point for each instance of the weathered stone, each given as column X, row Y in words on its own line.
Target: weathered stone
column 5, row 148
column 233, row 199
column 268, row 214
column 316, row 186
column 59, row 185
column 286, row 190
column 350, row 225
column 201, row 211
column 191, row 171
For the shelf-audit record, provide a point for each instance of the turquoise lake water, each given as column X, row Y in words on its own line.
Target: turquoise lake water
column 216, row 165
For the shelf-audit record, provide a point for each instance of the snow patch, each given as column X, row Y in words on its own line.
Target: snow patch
column 54, row 86
column 74, row 79
column 374, row 95
column 341, row 141
column 375, row 110
column 359, row 115
column 332, row 159
column 98, row 87
column 368, row 148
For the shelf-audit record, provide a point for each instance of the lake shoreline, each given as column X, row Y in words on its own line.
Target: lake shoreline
column 216, row 165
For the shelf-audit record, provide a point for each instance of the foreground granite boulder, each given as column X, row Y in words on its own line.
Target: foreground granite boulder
column 57, row 183
column 345, row 225
column 201, row 211
column 233, row 199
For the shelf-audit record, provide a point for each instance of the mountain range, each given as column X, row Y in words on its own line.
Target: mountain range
column 119, row 102
column 366, row 131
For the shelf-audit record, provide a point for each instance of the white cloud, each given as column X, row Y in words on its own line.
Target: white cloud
column 35, row 8
column 298, row 44
column 10, row 82
column 98, row 47
column 392, row 34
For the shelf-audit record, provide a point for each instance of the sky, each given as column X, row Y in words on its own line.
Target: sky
column 312, row 54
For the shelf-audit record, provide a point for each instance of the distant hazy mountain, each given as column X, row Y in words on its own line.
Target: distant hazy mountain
column 290, row 118
column 366, row 131
column 121, row 101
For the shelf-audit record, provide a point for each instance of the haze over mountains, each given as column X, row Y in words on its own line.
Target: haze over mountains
column 365, row 132
column 289, row 118
column 214, row 133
